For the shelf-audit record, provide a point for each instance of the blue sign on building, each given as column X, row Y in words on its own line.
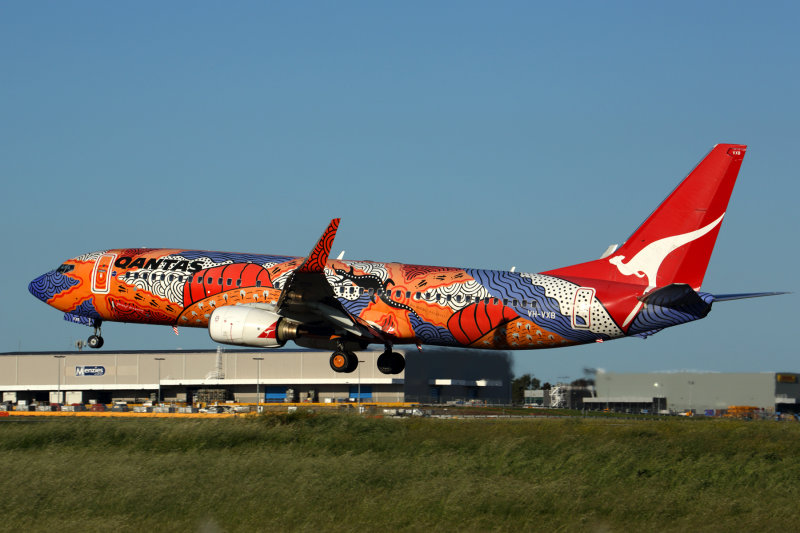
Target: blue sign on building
column 90, row 370
column 366, row 392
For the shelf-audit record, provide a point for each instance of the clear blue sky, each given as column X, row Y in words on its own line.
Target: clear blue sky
column 471, row 134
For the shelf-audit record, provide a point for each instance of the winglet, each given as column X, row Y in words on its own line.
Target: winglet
column 315, row 262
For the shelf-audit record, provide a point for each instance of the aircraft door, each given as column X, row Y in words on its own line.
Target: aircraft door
column 101, row 276
column 582, row 308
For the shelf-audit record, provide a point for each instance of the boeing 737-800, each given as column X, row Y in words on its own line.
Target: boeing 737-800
column 649, row 283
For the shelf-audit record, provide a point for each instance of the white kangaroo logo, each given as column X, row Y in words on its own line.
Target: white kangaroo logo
column 648, row 261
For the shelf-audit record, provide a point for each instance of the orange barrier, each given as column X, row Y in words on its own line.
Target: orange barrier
column 128, row 414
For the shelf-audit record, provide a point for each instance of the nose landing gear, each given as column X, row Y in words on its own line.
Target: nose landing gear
column 95, row 341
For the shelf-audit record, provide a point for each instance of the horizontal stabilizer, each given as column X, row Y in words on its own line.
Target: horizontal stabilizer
column 742, row 296
column 678, row 296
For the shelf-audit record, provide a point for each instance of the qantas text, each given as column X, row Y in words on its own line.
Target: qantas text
column 155, row 264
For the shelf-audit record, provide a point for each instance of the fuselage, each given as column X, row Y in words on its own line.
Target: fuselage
column 410, row 304
column 651, row 282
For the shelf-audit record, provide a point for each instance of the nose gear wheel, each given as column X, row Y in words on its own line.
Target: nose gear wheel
column 95, row 341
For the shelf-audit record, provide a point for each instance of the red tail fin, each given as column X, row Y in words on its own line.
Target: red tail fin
column 674, row 244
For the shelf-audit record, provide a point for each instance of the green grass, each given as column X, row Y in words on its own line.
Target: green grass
column 346, row 473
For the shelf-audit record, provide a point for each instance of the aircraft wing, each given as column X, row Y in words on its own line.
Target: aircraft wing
column 308, row 297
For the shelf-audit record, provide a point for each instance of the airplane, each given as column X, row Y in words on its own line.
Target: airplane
column 649, row 283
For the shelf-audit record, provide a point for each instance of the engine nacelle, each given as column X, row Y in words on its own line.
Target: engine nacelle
column 246, row 326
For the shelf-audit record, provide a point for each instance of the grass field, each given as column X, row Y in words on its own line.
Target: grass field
column 346, row 473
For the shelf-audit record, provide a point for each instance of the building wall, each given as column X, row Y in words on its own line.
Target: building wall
column 493, row 367
column 135, row 376
column 692, row 390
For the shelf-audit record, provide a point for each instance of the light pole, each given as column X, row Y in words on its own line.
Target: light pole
column 359, row 385
column 159, row 359
column 58, row 393
column 258, row 382
column 691, row 396
column 657, row 402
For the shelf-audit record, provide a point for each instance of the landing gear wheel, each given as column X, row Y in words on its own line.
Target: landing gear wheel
column 391, row 363
column 95, row 341
column 344, row 361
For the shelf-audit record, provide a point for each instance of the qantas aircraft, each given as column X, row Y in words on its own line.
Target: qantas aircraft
column 649, row 283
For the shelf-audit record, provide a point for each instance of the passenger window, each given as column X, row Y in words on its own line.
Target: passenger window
column 398, row 294
column 417, row 295
column 258, row 283
column 524, row 303
column 209, row 281
column 458, row 298
column 229, row 282
column 238, row 283
column 219, row 282
column 408, row 294
column 514, row 302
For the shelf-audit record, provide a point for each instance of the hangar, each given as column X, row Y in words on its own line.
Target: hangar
column 250, row 376
column 696, row 391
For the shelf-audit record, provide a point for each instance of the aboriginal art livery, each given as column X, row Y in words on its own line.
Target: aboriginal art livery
column 649, row 283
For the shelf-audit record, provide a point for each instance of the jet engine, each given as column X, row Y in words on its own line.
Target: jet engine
column 248, row 326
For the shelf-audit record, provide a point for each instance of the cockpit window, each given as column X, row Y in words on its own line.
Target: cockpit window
column 63, row 269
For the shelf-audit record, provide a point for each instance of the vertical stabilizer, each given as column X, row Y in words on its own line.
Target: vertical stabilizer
column 674, row 244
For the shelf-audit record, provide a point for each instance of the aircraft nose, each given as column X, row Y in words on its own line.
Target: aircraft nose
column 38, row 287
column 49, row 285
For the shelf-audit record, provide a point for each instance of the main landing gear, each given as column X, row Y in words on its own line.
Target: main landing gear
column 95, row 341
column 344, row 361
column 389, row 362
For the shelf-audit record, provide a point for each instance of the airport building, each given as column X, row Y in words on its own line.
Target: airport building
column 244, row 376
column 700, row 392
